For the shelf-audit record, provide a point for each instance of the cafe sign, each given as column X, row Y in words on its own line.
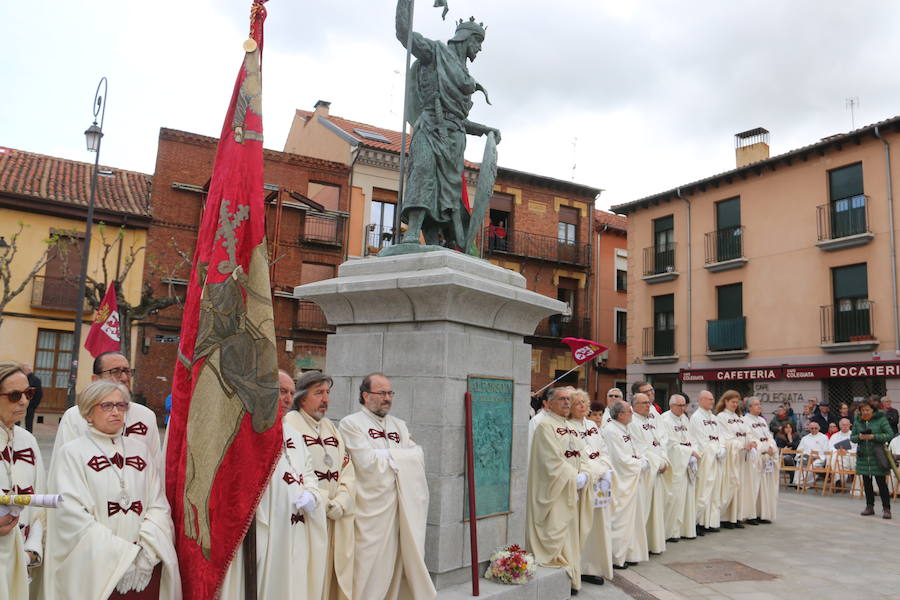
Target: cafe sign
column 794, row 372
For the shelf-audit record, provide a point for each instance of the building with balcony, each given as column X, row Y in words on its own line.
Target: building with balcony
column 307, row 228
column 48, row 196
column 777, row 278
column 538, row 226
column 609, row 316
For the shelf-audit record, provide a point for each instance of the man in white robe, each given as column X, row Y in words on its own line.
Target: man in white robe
column 681, row 505
column 651, row 444
column 391, row 499
column 740, row 457
column 705, row 432
column 140, row 421
column 759, row 495
column 291, row 536
column 613, row 395
column 559, row 506
column 336, row 476
column 813, row 446
column 629, row 533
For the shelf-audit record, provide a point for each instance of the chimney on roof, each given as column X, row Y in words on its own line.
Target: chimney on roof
column 321, row 108
column 751, row 146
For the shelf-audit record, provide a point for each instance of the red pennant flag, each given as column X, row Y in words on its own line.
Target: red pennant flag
column 584, row 350
column 224, row 434
column 104, row 335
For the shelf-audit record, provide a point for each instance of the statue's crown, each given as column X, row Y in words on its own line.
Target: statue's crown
column 471, row 25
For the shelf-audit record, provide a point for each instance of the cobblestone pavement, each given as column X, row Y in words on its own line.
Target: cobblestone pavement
column 819, row 548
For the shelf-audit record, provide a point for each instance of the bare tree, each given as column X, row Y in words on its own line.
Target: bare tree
column 8, row 288
column 125, row 259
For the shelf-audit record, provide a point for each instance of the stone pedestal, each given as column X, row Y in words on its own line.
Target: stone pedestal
column 428, row 321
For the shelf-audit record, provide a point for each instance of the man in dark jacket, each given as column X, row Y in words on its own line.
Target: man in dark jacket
column 35, row 382
column 890, row 412
column 823, row 418
column 781, row 417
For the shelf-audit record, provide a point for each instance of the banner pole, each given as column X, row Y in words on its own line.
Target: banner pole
column 250, row 591
column 560, row 377
column 470, row 476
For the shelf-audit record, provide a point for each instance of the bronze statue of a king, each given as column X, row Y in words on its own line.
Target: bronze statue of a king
column 439, row 97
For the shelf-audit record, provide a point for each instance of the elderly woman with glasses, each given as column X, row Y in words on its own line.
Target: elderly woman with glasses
column 112, row 537
column 21, row 472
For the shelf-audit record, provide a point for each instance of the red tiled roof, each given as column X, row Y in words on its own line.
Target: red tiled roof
column 601, row 218
column 348, row 126
column 69, row 182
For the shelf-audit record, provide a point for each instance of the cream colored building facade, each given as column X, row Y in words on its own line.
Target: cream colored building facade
column 48, row 195
column 777, row 278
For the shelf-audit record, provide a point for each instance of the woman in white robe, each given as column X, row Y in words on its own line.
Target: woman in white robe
column 740, row 458
column 112, row 537
column 21, row 472
column 291, row 534
column 596, row 555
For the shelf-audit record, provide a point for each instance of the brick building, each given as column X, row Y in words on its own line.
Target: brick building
column 610, row 314
column 307, row 202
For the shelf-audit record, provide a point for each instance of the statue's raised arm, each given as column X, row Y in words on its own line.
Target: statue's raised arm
column 439, row 98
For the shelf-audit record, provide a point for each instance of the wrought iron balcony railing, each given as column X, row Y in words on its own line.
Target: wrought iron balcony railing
column 659, row 259
column 323, row 229
column 725, row 244
column 55, row 292
column 843, row 218
column 851, row 320
column 658, row 342
column 309, row 317
column 532, row 245
column 558, row 326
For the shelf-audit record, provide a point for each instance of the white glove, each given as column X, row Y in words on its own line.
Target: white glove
column 693, row 460
column 306, row 501
column 581, row 480
column 143, row 572
column 720, row 454
column 753, row 454
column 125, row 584
column 645, row 464
column 386, row 454
column 334, row 510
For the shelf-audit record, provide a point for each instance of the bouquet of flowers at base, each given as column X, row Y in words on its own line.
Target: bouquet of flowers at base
column 511, row 565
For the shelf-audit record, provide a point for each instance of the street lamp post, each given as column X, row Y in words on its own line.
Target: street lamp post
column 93, row 135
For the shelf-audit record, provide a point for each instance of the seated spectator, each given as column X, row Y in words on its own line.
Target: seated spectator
column 809, row 409
column 813, row 446
column 890, row 412
column 842, row 434
column 842, row 437
column 786, row 437
column 832, row 429
column 781, row 417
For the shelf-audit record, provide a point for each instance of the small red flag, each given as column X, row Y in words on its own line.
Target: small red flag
column 104, row 335
column 224, row 434
column 584, row 350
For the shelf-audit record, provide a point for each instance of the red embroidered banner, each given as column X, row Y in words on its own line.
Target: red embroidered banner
column 224, row 434
column 584, row 350
column 104, row 334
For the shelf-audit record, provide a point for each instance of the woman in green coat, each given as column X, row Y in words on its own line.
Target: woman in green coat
column 871, row 431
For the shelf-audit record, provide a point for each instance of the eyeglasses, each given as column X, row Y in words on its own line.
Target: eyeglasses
column 119, row 371
column 109, row 406
column 382, row 394
column 17, row 395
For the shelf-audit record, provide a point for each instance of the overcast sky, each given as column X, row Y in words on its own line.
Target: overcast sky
column 638, row 96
